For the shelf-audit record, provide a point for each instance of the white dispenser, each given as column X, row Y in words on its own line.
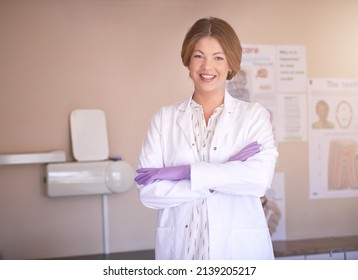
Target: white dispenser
column 84, row 178
column 92, row 173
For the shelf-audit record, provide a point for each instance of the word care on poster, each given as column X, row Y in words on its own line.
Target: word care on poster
column 333, row 138
column 275, row 77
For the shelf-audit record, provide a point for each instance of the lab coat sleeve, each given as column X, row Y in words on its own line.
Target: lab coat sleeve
column 164, row 193
column 252, row 177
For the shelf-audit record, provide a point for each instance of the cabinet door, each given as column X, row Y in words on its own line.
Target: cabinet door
column 352, row 255
column 326, row 256
column 296, row 257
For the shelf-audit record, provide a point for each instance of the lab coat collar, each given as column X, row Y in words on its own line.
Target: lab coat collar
column 225, row 124
column 223, row 127
column 229, row 102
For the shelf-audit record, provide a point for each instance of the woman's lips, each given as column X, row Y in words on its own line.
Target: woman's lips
column 207, row 77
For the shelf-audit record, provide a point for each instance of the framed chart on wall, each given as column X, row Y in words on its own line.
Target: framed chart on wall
column 333, row 137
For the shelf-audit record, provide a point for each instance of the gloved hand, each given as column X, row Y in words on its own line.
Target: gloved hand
column 248, row 151
column 175, row 173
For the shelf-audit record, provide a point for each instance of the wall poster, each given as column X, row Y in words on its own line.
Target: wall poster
column 275, row 76
column 275, row 208
column 333, row 138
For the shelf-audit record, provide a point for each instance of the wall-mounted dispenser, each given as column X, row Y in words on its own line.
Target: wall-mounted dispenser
column 93, row 173
column 83, row 178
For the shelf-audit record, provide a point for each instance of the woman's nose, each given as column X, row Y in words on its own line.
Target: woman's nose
column 207, row 64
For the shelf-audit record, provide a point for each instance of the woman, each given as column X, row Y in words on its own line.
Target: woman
column 206, row 162
column 322, row 110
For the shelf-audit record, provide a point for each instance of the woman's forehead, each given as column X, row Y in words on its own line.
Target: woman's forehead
column 208, row 44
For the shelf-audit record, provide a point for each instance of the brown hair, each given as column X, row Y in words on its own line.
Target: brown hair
column 221, row 31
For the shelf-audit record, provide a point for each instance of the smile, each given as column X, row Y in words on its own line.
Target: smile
column 207, row 77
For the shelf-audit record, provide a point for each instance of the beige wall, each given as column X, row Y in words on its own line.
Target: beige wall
column 124, row 57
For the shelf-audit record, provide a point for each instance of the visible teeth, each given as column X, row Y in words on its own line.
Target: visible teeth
column 208, row 76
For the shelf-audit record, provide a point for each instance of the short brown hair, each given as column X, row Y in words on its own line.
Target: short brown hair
column 221, row 31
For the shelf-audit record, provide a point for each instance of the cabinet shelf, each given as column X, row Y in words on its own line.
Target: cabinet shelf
column 32, row 158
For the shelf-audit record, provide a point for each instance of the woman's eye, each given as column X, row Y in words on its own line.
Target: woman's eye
column 219, row 58
column 198, row 56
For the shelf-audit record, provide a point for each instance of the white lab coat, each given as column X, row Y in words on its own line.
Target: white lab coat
column 237, row 224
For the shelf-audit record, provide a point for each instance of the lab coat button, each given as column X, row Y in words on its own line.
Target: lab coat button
column 215, row 148
column 186, row 226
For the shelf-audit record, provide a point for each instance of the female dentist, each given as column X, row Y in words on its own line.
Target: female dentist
column 206, row 161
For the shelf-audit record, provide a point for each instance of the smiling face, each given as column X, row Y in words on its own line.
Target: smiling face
column 208, row 66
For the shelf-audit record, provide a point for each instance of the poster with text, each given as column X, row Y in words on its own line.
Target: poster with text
column 333, row 138
column 275, row 76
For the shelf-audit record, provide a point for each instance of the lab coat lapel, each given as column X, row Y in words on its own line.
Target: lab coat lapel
column 225, row 122
column 185, row 123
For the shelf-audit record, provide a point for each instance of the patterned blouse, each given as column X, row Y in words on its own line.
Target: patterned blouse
column 198, row 240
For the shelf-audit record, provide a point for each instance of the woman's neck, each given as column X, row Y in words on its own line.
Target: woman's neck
column 209, row 102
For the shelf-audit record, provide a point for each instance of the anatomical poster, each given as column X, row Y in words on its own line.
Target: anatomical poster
column 256, row 81
column 275, row 76
column 333, row 137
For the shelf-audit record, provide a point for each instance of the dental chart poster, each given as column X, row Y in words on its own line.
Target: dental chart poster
column 276, row 77
column 333, row 137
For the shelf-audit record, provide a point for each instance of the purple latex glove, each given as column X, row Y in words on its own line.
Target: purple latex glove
column 148, row 175
column 248, row 151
